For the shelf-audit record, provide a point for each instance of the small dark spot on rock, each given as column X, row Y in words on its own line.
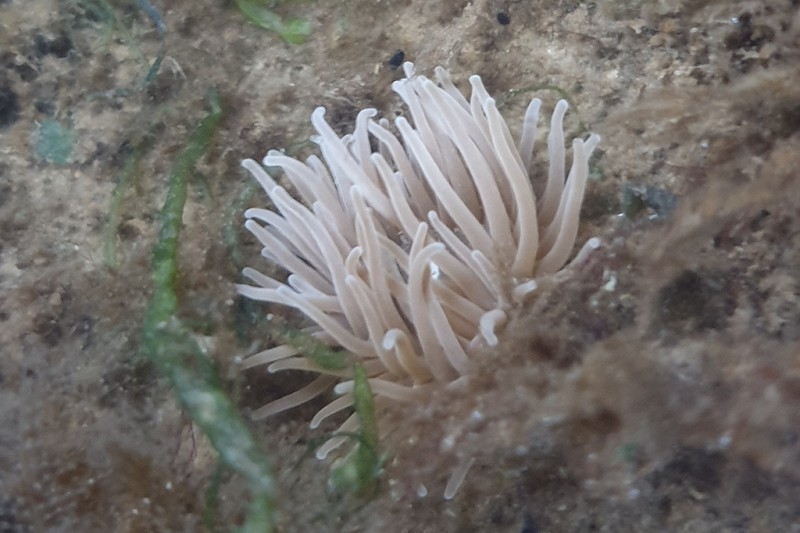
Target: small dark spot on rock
column 128, row 232
column 8, row 508
column 543, row 346
column 9, row 106
column 753, row 484
column 162, row 88
column 757, row 222
column 788, row 120
column 397, row 59
column 604, row 422
column 26, row 72
column 41, row 45
column 664, row 506
column 693, row 468
column 131, row 380
column 748, row 35
column 45, row 107
column 503, row 19
column 637, row 198
column 48, row 328
column 58, row 47
column 501, row 511
column 528, row 524
column 61, row 46
column 83, row 329
column 101, row 150
column 693, row 302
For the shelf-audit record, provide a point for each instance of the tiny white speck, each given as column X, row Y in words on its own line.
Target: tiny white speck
column 434, row 270
column 448, row 443
column 611, row 284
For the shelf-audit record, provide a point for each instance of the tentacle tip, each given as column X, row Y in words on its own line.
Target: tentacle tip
column 524, row 290
column 390, row 339
column 491, row 321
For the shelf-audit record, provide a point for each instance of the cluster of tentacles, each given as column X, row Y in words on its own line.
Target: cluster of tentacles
column 408, row 245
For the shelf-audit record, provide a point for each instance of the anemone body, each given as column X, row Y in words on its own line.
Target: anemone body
column 408, row 246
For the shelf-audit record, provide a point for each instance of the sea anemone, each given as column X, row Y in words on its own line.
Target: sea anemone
column 408, row 247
